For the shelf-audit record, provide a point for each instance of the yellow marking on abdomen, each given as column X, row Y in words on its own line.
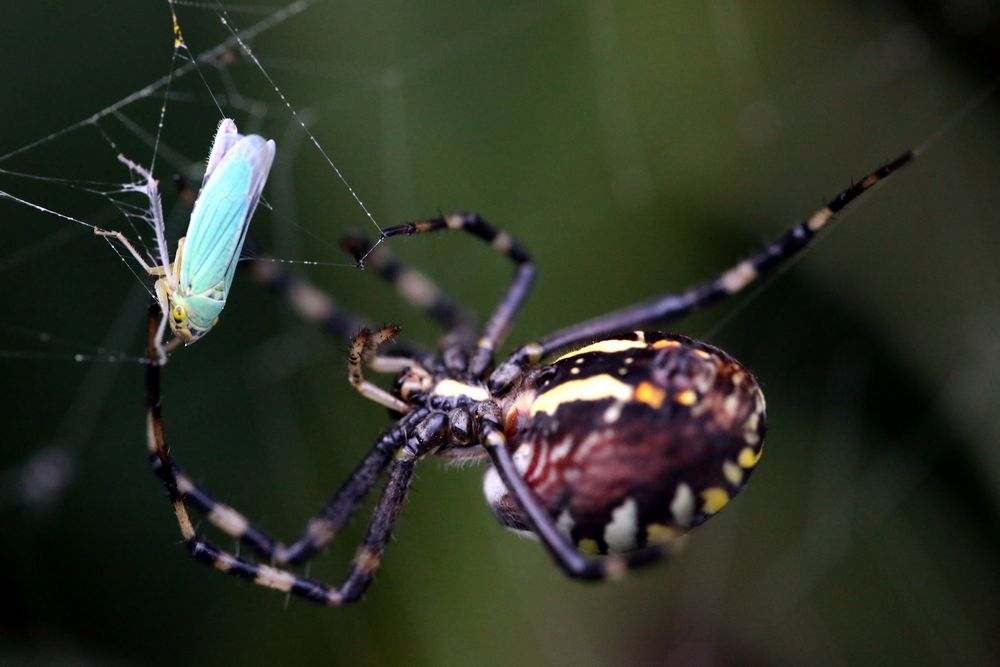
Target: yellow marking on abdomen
column 665, row 343
column 612, row 345
column 657, row 533
column 714, row 499
column 596, row 388
column 649, row 394
column 748, row 457
column 686, row 398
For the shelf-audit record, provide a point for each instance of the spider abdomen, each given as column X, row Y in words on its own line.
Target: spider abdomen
column 633, row 440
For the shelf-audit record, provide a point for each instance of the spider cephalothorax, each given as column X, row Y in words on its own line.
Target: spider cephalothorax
column 607, row 441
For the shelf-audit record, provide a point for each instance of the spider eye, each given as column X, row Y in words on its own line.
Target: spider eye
column 179, row 314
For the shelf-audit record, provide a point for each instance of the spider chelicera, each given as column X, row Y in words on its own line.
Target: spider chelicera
column 608, row 454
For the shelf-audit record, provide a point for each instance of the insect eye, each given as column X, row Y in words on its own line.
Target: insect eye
column 179, row 314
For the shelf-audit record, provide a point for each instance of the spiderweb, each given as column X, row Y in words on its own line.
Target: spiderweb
column 633, row 149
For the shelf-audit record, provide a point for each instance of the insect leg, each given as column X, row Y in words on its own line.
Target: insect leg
column 152, row 192
column 162, row 295
column 151, row 269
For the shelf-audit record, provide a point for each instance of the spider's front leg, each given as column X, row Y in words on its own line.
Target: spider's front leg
column 414, row 286
column 496, row 328
column 398, row 449
column 674, row 306
column 308, row 301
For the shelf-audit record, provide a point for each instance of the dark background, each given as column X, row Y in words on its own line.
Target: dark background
column 634, row 150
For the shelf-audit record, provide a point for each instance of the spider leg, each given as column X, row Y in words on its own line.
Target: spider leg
column 562, row 550
column 674, row 306
column 308, row 301
column 496, row 328
column 423, row 294
column 319, row 531
column 368, row 556
column 324, row 526
column 316, row 306
column 362, row 351
column 413, row 285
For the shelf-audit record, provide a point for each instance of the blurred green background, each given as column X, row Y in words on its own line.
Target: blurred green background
column 635, row 148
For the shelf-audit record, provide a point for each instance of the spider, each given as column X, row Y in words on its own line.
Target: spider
column 608, row 441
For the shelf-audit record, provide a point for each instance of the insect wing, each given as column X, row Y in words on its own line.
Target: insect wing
column 226, row 137
column 222, row 214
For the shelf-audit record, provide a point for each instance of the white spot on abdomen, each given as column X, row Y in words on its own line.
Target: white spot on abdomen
column 682, row 506
column 620, row 533
column 493, row 487
column 565, row 524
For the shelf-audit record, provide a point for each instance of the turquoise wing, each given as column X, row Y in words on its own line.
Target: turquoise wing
column 221, row 217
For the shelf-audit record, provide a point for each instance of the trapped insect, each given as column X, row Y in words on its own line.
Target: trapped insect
column 192, row 291
column 608, row 453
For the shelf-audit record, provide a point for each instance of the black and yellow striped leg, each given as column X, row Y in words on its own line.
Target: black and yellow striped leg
column 413, row 285
column 325, row 525
column 673, row 306
column 308, row 301
column 368, row 557
column 562, row 550
column 314, row 305
column 222, row 516
column 320, row 530
column 497, row 326
column 181, row 491
column 422, row 293
column 201, row 550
